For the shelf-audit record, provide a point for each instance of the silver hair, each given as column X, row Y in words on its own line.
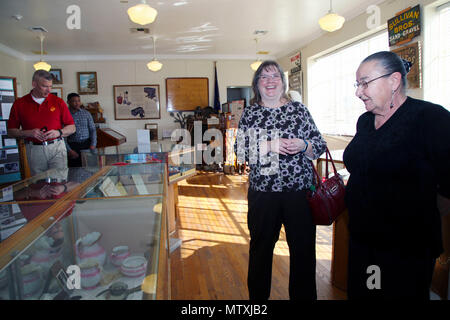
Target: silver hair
column 38, row 74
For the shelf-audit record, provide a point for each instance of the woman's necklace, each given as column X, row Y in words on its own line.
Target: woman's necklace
column 278, row 104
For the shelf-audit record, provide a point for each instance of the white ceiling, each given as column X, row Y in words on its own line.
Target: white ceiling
column 189, row 28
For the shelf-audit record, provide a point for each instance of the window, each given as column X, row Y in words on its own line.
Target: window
column 332, row 101
column 437, row 57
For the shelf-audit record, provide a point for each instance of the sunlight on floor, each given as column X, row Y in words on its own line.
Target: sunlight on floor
column 198, row 228
column 212, row 261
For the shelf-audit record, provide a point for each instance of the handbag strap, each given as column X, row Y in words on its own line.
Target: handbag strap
column 316, row 174
column 328, row 153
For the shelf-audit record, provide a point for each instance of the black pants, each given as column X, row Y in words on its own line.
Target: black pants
column 267, row 211
column 77, row 146
column 402, row 276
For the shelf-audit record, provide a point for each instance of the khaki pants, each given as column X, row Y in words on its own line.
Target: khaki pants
column 44, row 157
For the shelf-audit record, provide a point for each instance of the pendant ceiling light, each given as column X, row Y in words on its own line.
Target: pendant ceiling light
column 332, row 21
column 42, row 65
column 255, row 64
column 142, row 13
column 154, row 65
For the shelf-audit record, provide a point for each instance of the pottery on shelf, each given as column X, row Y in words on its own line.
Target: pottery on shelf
column 88, row 248
column 31, row 280
column 134, row 266
column 118, row 255
column 91, row 274
column 3, row 279
column 45, row 254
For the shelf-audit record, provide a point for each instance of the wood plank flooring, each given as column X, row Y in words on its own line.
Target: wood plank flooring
column 212, row 261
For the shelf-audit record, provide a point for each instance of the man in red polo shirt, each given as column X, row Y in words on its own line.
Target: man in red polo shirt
column 43, row 120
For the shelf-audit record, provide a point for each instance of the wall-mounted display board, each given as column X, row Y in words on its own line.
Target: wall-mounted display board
column 295, row 81
column 136, row 102
column 9, row 150
column 404, row 26
column 412, row 54
column 186, row 94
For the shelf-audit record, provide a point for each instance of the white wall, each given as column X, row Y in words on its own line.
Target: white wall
column 14, row 67
column 120, row 72
column 351, row 31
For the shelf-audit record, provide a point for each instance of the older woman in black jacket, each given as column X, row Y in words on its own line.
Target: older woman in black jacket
column 398, row 163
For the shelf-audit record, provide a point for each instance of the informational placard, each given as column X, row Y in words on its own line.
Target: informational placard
column 143, row 136
column 296, row 60
column 186, row 94
column 9, row 154
column 6, row 97
column 412, row 54
column 295, row 82
column 404, row 26
column 236, row 109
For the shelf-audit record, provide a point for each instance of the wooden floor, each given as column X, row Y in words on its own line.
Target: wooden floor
column 213, row 258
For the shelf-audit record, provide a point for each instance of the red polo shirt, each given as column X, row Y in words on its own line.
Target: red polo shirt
column 53, row 113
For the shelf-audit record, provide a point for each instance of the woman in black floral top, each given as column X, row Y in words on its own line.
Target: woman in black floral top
column 279, row 139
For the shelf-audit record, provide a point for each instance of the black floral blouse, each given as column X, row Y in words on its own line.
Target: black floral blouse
column 276, row 172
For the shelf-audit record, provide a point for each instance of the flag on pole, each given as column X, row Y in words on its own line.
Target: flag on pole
column 216, row 90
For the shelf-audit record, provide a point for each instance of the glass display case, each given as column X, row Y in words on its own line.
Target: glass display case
column 86, row 233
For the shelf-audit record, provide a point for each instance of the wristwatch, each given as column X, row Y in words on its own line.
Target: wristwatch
column 60, row 133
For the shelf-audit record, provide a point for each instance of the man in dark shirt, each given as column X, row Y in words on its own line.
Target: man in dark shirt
column 85, row 137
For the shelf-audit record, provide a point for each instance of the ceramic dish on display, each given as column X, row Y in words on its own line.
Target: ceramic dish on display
column 46, row 252
column 31, row 280
column 134, row 266
column 3, row 279
column 91, row 274
column 118, row 255
column 88, row 248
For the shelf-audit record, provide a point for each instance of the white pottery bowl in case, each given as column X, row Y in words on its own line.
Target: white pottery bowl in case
column 118, row 255
column 134, row 266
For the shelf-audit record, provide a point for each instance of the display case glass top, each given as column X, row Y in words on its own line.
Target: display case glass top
column 179, row 158
column 48, row 185
column 110, row 229
column 125, row 181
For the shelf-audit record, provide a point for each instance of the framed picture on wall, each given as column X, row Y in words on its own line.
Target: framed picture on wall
column 57, row 92
column 153, row 128
column 136, row 102
column 87, row 82
column 57, row 76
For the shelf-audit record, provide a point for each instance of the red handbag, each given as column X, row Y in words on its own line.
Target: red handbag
column 326, row 198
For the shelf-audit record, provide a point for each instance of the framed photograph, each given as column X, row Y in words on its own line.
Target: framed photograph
column 412, row 53
column 11, row 167
column 153, row 128
column 136, row 102
column 57, row 92
column 57, row 76
column 87, row 82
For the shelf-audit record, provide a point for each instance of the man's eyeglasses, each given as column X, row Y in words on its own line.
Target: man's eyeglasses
column 365, row 84
column 266, row 77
